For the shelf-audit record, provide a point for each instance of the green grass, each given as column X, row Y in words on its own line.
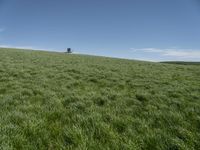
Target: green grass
column 55, row 101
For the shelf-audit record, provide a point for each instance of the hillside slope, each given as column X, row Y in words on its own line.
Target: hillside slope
column 61, row 101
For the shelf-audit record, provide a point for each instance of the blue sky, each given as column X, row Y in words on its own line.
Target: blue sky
column 154, row 30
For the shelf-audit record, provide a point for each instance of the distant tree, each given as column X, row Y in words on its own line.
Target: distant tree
column 69, row 50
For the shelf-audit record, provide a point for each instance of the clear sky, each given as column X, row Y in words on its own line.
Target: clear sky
column 135, row 29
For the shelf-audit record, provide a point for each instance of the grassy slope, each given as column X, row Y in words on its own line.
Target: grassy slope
column 58, row 101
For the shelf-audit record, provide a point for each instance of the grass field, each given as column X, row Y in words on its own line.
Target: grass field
column 56, row 101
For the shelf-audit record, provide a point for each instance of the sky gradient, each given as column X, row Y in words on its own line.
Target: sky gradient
column 155, row 30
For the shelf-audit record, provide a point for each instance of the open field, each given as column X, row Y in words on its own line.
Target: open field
column 54, row 101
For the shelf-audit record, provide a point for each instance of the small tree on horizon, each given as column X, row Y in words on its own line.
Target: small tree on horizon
column 69, row 50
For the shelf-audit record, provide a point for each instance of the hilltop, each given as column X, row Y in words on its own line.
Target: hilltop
column 52, row 100
column 182, row 63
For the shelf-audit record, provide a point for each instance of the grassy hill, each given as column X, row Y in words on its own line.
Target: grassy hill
column 54, row 101
column 182, row 63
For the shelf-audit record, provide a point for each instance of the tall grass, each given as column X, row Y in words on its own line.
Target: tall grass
column 61, row 101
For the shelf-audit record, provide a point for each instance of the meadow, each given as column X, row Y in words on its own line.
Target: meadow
column 53, row 101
